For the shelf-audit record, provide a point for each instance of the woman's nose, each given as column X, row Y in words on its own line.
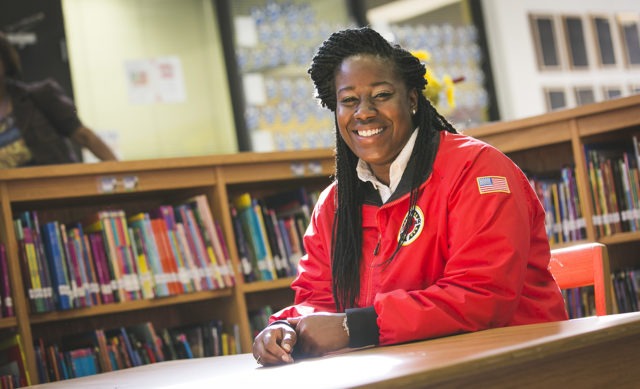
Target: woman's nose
column 365, row 111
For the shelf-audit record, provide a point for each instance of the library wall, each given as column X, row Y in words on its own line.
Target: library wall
column 520, row 84
column 146, row 73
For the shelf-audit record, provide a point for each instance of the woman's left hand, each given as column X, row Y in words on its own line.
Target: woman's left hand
column 320, row 333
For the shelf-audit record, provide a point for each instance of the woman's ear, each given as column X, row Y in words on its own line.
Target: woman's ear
column 413, row 101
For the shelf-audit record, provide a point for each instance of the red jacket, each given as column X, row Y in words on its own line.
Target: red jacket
column 476, row 257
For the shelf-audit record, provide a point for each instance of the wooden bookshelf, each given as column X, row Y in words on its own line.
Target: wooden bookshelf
column 68, row 192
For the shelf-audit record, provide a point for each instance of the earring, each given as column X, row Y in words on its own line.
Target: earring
column 413, row 111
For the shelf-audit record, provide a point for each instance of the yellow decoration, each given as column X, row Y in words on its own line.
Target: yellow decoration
column 434, row 85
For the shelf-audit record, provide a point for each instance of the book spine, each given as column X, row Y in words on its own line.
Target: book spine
column 94, row 283
column 225, row 251
column 166, row 255
column 198, row 280
column 30, row 270
column 102, row 268
column 224, row 262
column 145, row 275
column 73, row 267
column 47, row 283
column 7, row 298
column 204, row 238
column 57, row 266
column 160, row 277
column 199, row 250
column 248, row 264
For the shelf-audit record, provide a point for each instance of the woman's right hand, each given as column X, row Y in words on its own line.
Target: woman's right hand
column 273, row 345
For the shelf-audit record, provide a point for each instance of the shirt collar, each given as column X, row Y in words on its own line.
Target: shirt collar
column 395, row 171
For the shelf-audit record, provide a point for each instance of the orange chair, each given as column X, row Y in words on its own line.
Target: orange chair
column 583, row 265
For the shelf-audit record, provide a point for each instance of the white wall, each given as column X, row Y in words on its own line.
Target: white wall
column 104, row 35
column 519, row 83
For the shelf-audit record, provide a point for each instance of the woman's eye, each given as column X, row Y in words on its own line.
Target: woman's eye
column 348, row 100
column 382, row 95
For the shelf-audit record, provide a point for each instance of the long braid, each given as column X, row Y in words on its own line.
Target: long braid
column 347, row 226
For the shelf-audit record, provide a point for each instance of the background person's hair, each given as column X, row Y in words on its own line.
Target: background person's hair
column 10, row 59
column 347, row 227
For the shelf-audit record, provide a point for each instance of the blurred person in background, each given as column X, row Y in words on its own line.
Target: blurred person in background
column 38, row 120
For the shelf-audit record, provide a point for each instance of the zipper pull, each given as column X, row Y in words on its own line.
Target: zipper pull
column 375, row 251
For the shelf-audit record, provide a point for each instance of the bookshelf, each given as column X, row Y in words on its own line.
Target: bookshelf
column 68, row 192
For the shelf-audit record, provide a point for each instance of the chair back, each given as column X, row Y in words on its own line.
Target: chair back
column 584, row 265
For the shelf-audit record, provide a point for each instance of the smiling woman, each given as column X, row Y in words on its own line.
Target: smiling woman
column 374, row 111
column 424, row 233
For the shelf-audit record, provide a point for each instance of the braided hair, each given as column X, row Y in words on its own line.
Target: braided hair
column 347, row 226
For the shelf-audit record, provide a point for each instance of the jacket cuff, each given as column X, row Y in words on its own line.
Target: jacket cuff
column 282, row 322
column 363, row 326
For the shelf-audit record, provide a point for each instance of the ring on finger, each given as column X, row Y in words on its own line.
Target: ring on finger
column 259, row 360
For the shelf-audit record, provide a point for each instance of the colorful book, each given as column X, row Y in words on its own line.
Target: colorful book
column 196, row 274
column 253, row 234
column 201, row 257
column 146, row 333
column 169, row 264
column 208, row 226
column 103, row 274
column 145, row 275
column 30, row 267
column 77, row 277
column 5, row 285
column 57, row 265
column 203, row 239
column 248, row 263
column 12, row 359
column 125, row 255
column 166, row 213
column 100, row 223
column 141, row 225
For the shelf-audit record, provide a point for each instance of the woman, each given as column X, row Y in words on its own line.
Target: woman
column 424, row 233
column 37, row 120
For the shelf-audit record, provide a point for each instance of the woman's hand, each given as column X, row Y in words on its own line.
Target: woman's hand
column 273, row 345
column 320, row 333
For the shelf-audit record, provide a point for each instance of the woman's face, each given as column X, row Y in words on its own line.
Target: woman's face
column 373, row 110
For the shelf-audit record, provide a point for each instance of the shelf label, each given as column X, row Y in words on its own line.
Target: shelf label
column 297, row 169
column 107, row 184
column 315, row 167
column 129, row 183
column 112, row 184
column 312, row 168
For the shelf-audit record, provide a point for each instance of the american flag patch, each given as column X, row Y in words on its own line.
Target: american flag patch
column 492, row 184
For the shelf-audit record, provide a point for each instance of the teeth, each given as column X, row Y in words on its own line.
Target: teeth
column 372, row 132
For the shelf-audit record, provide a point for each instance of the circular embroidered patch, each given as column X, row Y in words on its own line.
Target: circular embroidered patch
column 417, row 224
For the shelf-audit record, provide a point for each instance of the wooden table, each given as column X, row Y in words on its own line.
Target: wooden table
column 593, row 352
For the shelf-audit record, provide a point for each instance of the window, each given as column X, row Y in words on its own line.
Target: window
column 604, row 41
column 545, row 41
column 555, row 98
column 612, row 92
column 584, row 95
column 630, row 34
column 576, row 45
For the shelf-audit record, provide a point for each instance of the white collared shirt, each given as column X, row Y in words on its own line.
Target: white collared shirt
column 395, row 171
